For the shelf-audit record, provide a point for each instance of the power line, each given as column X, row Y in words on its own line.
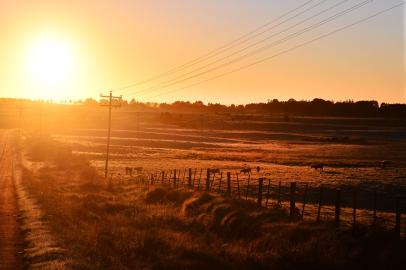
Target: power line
column 278, row 42
column 111, row 98
column 285, row 51
column 216, row 51
column 163, row 84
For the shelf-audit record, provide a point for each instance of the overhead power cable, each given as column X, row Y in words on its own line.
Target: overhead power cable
column 285, row 51
column 214, row 52
column 278, row 42
column 179, row 78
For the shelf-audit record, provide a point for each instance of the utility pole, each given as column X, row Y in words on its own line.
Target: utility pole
column 138, row 123
column 40, row 118
column 20, row 116
column 110, row 104
column 201, row 125
column 202, row 121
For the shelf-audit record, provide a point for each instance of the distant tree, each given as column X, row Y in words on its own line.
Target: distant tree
column 90, row 102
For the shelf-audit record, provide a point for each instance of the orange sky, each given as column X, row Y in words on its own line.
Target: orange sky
column 114, row 43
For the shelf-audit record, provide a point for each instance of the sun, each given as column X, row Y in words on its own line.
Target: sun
column 50, row 62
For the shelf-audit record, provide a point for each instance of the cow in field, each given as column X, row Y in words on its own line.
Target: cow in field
column 317, row 166
column 128, row 170
column 384, row 163
column 245, row 170
column 214, row 170
column 138, row 169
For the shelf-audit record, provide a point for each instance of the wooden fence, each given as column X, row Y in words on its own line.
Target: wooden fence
column 345, row 205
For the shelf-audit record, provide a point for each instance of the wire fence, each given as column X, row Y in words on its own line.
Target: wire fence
column 343, row 204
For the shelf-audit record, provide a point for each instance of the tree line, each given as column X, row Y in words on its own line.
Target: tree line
column 315, row 107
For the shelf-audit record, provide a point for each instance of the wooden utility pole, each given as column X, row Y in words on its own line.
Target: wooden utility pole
column 110, row 104
column 20, row 120
column 201, row 125
column 40, row 118
column 138, row 124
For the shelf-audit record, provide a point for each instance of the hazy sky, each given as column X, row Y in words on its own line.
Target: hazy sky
column 95, row 46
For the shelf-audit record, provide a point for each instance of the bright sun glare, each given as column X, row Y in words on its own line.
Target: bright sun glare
column 50, row 62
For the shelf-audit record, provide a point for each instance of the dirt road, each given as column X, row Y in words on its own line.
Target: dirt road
column 11, row 245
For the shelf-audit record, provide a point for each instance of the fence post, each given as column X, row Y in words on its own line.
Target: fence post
column 169, row 177
column 354, row 204
column 337, row 207
column 260, row 186
column 200, row 177
column 375, row 206
column 183, row 179
column 221, row 178
column 320, row 202
column 268, row 193
column 397, row 227
column 148, row 183
column 208, row 180
column 248, row 186
column 238, row 188
column 228, row 183
column 292, row 199
column 163, row 177
column 279, row 192
column 174, row 179
column 190, row 178
column 212, row 181
column 194, row 178
column 304, row 199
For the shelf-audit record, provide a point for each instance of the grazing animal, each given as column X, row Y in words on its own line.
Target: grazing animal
column 317, row 166
column 128, row 170
column 384, row 163
column 138, row 169
column 215, row 170
column 245, row 170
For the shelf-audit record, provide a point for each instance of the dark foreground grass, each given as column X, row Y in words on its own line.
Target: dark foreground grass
column 103, row 226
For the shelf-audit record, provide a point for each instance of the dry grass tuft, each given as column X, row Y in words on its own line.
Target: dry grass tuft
column 167, row 195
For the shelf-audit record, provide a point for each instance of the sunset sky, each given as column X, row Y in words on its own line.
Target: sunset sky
column 78, row 49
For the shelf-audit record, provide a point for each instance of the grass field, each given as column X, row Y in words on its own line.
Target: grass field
column 351, row 152
column 95, row 224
